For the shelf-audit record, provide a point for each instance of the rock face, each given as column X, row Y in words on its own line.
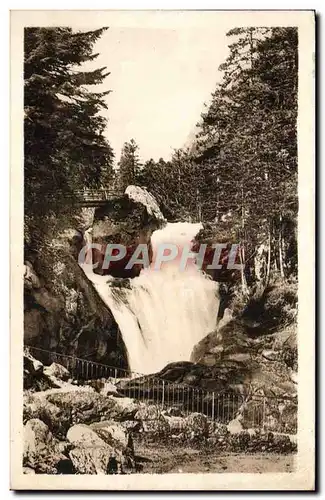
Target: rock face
column 62, row 308
column 260, row 338
column 260, row 362
column 128, row 220
column 214, row 377
column 220, row 233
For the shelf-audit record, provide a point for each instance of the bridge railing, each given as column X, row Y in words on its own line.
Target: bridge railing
column 87, row 195
column 271, row 413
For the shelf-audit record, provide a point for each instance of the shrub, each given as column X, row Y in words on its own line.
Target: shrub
column 289, row 355
column 281, row 301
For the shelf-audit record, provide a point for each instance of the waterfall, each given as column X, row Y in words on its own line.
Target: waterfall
column 164, row 312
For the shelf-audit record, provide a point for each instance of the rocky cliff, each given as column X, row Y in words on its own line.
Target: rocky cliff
column 258, row 343
column 62, row 310
column 128, row 220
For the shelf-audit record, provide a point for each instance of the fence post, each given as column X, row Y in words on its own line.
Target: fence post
column 115, row 375
column 163, row 394
column 212, row 406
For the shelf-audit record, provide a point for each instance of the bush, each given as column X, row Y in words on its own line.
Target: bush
column 197, row 426
column 281, row 298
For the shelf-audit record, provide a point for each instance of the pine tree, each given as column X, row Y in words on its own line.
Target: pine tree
column 64, row 142
column 129, row 164
column 247, row 140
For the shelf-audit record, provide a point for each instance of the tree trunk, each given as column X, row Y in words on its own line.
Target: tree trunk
column 242, row 248
column 268, row 258
column 281, row 249
column 198, row 203
column 242, row 270
column 275, row 264
column 260, row 262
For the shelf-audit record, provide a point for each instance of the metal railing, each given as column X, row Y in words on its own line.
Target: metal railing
column 99, row 195
column 81, row 369
column 258, row 411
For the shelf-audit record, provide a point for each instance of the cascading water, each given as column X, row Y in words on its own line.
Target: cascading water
column 164, row 312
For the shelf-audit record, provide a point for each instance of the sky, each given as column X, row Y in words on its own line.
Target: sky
column 160, row 79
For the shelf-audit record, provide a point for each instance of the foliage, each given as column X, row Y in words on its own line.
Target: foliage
column 171, row 183
column 65, row 148
column 280, row 301
column 247, row 142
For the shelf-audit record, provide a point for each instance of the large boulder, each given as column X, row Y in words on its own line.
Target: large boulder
column 32, row 364
column 113, row 430
column 126, row 408
column 87, row 406
column 38, row 377
column 57, row 371
column 95, row 451
column 61, row 408
column 34, row 377
column 37, row 438
column 90, row 453
column 58, row 419
column 141, row 195
column 185, row 374
column 127, row 220
column 42, row 452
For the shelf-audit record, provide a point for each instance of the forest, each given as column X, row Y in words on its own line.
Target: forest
column 239, row 174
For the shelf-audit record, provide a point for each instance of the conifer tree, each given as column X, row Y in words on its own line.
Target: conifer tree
column 64, row 142
column 247, row 146
column 129, row 164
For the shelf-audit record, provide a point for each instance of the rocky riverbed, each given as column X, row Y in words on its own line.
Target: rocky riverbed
column 69, row 429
